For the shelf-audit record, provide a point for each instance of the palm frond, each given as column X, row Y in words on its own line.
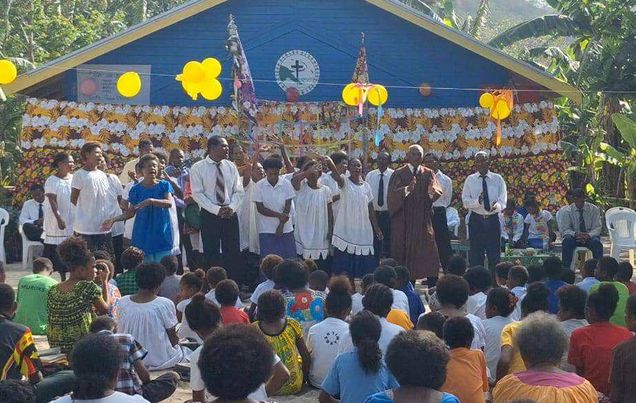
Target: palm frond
column 557, row 25
column 480, row 18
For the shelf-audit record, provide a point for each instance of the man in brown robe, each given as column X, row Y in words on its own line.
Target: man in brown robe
column 412, row 190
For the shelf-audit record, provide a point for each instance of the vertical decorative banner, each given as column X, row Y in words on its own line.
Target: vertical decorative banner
column 361, row 72
column 244, row 93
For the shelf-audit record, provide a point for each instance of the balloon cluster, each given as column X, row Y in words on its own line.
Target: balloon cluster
column 500, row 103
column 200, row 78
column 356, row 94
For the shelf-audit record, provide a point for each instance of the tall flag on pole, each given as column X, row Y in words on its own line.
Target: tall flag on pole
column 244, row 94
column 361, row 72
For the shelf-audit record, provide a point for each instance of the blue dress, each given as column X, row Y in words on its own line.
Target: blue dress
column 152, row 231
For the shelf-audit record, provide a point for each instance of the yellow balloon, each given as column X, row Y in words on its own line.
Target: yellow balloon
column 212, row 90
column 212, row 67
column 129, row 84
column 8, row 72
column 351, row 94
column 500, row 110
column 486, row 100
column 192, row 88
column 378, row 95
column 193, row 71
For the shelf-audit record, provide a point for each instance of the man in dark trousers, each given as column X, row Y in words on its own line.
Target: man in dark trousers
column 379, row 179
column 218, row 190
column 440, row 225
column 484, row 196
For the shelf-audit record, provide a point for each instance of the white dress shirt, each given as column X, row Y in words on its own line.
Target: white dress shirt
column 203, row 183
column 30, row 212
column 568, row 219
column 373, row 179
column 446, row 184
column 497, row 193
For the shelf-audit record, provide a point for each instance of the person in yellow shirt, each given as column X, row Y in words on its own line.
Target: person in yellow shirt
column 466, row 375
column 510, row 362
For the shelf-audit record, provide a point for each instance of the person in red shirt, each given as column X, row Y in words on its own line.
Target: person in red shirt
column 591, row 346
column 227, row 292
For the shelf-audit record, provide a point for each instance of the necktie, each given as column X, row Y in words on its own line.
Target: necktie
column 581, row 221
column 484, row 190
column 414, row 171
column 40, row 211
column 220, row 184
column 381, row 190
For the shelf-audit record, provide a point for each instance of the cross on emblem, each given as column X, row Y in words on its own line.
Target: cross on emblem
column 298, row 67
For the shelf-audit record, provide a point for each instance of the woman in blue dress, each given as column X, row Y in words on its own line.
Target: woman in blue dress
column 150, row 201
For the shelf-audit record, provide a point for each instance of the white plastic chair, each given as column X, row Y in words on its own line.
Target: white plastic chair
column 29, row 249
column 621, row 225
column 4, row 220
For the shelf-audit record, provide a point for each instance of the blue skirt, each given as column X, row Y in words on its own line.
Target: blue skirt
column 354, row 266
column 281, row 245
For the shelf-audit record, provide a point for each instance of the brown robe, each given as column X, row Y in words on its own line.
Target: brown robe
column 412, row 237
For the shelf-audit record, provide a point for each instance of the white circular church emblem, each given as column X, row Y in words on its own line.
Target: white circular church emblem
column 297, row 69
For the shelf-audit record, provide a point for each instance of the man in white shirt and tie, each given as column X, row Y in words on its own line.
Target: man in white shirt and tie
column 484, row 195
column 378, row 179
column 580, row 225
column 218, row 190
column 440, row 225
column 32, row 214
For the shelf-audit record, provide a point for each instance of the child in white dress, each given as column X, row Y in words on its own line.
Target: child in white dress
column 540, row 226
column 314, row 216
column 355, row 224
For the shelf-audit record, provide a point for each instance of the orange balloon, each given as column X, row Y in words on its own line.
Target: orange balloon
column 425, row 89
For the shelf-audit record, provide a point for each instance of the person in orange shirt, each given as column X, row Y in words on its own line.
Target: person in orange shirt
column 466, row 375
column 400, row 318
column 227, row 293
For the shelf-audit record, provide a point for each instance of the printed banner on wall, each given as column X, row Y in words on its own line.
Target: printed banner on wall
column 98, row 83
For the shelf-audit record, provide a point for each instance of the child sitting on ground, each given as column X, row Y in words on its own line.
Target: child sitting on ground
column 536, row 273
column 554, row 270
column 511, row 225
column 268, row 265
column 517, row 280
column 432, row 322
column 356, row 299
column 587, row 275
column 479, row 282
column 357, row 374
column 306, row 306
column 624, row 275
column 152, row 320
column 114, row 295
column 235, row 363
column 386, row 275
column 226, row 293
column 170, row 286
column 214, row 276
column 31, row 297
column 416, row 306
column 323, row 338
column 624, row 365
column 466, row 372
column 501, row 273
column 286, row 338
column 133, row 377
column 539, row 225
column 452, row 292
column 189, row 286
column 130, row 259
column 318, row 280
column 456, row 266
